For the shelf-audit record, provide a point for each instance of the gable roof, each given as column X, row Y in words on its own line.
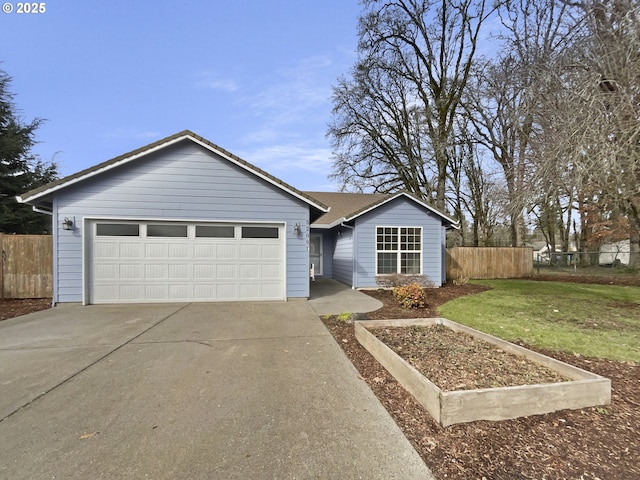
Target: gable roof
column 41, row 196
column 345, row 207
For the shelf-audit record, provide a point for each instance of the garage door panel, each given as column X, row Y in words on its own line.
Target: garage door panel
column 259, row 291
column 130, row 250
column 156, row 271
column 270, row 290
column 106, row 250
column 156, row 250
column 226, row 251
column 106, row 293
column 226, row 272
column 271, row 252
column 249, row 252
column 130, row 271
column 106, row 271
column 226, row 292
column 249, row 271
column 180, row 291
column 156, row 292
column 180, row 271
column 192, row 268
column 204, row 252
column 132, row 293
column 270, row 271
column 203, row 291
column 250, row 291
column 204, row 271
column 180, row 250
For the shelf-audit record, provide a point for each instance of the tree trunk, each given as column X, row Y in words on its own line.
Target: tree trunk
column 634, row 242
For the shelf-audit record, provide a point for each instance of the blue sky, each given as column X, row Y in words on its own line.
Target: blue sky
column 253, row 76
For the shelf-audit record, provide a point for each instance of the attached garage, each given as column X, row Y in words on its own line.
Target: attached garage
column 159, row 261
column 178, row 220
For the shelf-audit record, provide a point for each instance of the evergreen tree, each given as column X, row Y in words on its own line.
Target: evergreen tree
column 20, row 170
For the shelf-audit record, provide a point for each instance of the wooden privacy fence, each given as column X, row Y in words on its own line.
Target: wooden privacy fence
column 27, row 266
column 489, row 262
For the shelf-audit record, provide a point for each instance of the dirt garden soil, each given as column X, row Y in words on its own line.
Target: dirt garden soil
column 444, row 357
column 587, row 444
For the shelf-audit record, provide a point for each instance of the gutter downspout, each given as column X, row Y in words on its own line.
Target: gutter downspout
column 39, row 210
column 353, row 260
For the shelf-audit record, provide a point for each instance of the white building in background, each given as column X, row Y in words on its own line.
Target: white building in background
column 615, row 253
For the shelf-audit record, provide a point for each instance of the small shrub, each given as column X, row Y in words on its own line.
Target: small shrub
column 345, row 317
column 461, row 280
column 410, row 296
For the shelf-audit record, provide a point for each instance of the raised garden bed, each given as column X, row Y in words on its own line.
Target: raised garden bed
column 457, row 403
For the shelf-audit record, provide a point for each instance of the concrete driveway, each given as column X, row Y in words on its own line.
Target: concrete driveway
column 198, row 391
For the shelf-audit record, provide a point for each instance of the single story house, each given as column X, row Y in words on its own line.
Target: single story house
column 182, row 219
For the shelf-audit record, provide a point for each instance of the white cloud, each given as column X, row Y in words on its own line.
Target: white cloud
column 301, row 165
column 286, row 122
column 212, row 81
column 299, row 93
column 292, row 156
column 284, row 117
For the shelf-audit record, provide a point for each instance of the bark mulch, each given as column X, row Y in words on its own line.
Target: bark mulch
column 587, row 444
column 10, row 308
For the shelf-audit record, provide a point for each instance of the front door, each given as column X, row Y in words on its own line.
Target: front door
column 315, row 252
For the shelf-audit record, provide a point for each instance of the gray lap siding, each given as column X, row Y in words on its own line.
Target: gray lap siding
column 343, row 257
column 183, row 182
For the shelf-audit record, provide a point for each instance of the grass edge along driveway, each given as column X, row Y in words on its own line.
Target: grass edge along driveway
column 592, row 320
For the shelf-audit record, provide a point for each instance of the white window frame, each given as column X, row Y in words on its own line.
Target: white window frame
column 399, row 251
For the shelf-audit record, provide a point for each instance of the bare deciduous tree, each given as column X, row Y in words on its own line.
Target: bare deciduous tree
column 415, row 62
column 596, row 115
column 505, row 99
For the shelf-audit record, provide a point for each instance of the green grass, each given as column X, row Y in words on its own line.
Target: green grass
column 592, row 320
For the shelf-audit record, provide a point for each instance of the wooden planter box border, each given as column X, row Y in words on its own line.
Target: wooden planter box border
column 586, row 389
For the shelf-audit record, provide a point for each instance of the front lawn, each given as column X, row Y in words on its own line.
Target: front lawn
column 592, row 320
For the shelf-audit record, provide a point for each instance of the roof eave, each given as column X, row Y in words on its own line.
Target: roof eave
column 92, row 171
column 393, row 197
column 328, row 226
column 453, row 226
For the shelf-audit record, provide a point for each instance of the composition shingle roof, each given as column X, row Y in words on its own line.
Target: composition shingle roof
column 344, row 205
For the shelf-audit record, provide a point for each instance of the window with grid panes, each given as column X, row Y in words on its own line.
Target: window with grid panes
column 399, row 250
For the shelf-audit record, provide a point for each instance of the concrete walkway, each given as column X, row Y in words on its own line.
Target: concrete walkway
column 189, row 391
column 330, row 297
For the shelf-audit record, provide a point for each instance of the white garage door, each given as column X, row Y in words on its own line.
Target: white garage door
column 134, row 262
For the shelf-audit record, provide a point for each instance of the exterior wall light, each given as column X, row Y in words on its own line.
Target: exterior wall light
column 296, row 229
column 67, row 224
